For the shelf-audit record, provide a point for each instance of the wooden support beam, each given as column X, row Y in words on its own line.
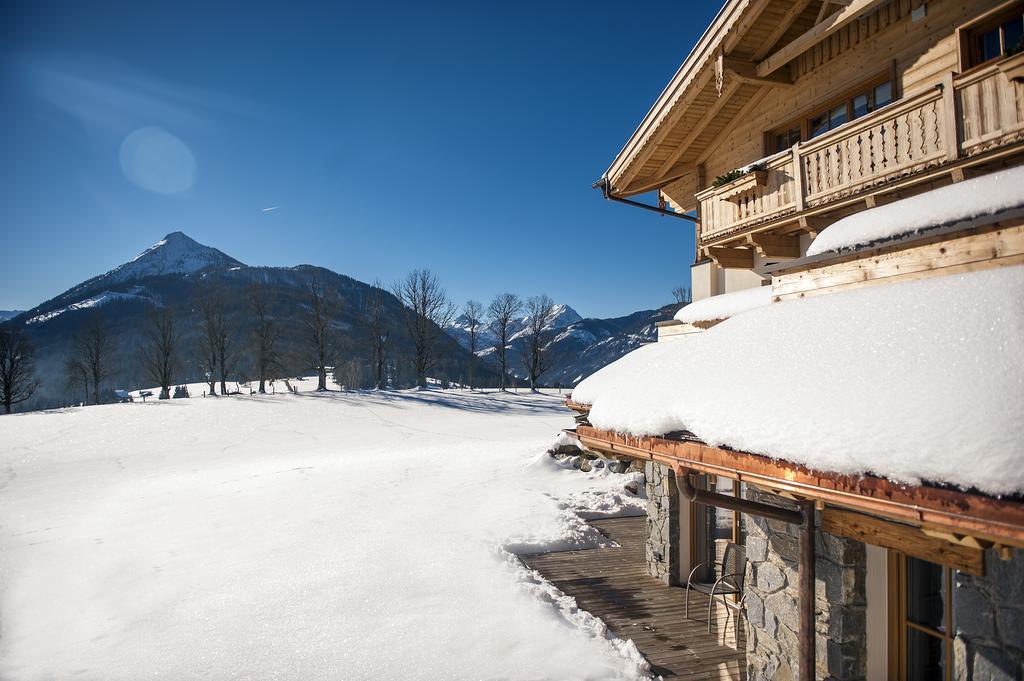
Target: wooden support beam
column 961, row 173
column 746, row 72
column 780, row 29
column 732, row 258
column 813, row 225
column 823, row 12
column 727, row 501
column 875, row 200
column 851, row 12
column 944, row 549
column 775, row 245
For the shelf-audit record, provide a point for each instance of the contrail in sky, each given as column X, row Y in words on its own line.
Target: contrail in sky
column 267, row 210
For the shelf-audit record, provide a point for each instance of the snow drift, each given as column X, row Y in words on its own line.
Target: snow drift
column 911, row 381
column 310, row 536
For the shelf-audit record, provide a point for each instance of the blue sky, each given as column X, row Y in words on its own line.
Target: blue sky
column 463, row 138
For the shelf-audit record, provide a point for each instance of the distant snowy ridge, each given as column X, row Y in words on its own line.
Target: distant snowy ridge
column 136, row 293
column 9, row 314
column 561, row 317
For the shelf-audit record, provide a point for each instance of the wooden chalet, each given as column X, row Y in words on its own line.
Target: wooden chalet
column 787, row 116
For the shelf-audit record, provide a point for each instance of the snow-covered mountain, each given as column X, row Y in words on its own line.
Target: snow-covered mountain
column 560, row 318
column 173, row 272
column 589, row 344
column 176, row 253
column 577, row 347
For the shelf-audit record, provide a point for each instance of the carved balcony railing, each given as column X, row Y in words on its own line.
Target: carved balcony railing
column 746, row 201
column 962, row 117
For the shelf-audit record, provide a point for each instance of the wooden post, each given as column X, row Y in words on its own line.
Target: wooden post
column 950, row 128
column 798, row 178
column 807, row 596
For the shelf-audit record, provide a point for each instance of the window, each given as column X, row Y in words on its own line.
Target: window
column 784, row 139
column 717, row 527
column 860, row 104
column 995, row 37
column 846, row 109
column 922, row 635
column 721, row 521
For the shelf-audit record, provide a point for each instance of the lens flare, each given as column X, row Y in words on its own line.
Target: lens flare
column 157, row 161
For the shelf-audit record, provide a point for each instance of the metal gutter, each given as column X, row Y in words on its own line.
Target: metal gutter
column 603, row 185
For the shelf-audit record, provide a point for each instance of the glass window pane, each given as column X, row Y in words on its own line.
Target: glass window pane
column 883, row 94
column 861, row 105
column 925, row 593
column 988, row 45
column 819, row 124
column 1013, row 32
column 926, row 656
column 720, row 519
column 837, row 116
column 784, row 140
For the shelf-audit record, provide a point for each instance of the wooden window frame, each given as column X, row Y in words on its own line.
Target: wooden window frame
column 826, row 104
column 983, row 22
column 898, row 622
column 699, row 516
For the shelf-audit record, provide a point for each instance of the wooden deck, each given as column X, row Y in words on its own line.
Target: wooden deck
column 613, row 585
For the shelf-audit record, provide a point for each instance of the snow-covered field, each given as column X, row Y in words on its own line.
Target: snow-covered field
column 331, row 536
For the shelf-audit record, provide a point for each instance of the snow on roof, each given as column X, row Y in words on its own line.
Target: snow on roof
column 725, row 305
column 912, row 381
column 961, row 202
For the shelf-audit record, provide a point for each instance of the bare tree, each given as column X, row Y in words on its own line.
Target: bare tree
column 211, row 325
column 682, row 296
column 535, row 337
column 77, row 376
column 227, row 355
column 426, row 309
column 500, row 314
column 377, row 323
column 350, row 374
column 264, row 336
column 18, row 380
column 160, row 348
column 92, row 350
column 322, row 304
column 473, row 313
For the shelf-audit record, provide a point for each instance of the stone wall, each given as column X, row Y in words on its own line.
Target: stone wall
column 662, row 523
column 988, row 613
column 772, row 601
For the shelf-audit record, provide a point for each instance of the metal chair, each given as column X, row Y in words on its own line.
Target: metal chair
column 733, row 571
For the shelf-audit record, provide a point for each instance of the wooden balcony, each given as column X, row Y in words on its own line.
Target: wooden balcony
column 961, row 122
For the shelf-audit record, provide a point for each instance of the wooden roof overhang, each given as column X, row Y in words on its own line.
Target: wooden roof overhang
column 999, row 521
column 745, row 50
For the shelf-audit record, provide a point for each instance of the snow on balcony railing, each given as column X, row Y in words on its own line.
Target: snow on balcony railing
column 958, row 203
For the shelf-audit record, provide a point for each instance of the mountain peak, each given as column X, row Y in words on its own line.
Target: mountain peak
column 176, row 253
